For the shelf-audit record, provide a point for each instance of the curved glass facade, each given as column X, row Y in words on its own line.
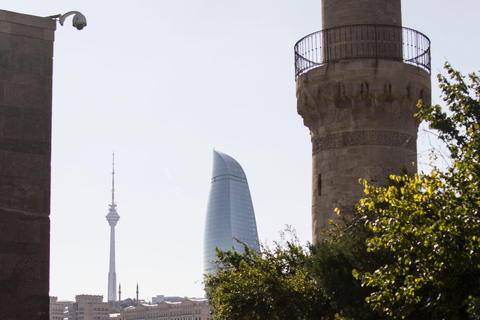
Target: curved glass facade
column 229, row 212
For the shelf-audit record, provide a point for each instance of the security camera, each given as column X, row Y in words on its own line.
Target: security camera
column 79, row 21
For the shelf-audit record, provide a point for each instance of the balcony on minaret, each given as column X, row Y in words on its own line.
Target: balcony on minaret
column 358, row 83
column 362, row 41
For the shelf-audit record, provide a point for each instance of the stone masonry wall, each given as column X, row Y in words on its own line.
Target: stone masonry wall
column 347, row 12
column 26, row 51
column 360, row 115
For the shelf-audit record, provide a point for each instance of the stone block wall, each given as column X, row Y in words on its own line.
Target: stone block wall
column 360, row 114
column 26, row 52
column 347, row 12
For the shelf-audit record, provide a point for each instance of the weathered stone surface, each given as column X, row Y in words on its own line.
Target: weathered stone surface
column 360, row 115
column 347, row 12
column 26, row 51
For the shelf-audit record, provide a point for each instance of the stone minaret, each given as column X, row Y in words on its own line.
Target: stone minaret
column 112, row 218
column 119, row 295
column 137, row 293
column 358, row 82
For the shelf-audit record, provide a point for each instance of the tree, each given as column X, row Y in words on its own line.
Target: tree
column 410, row 251
column 431, row 225
column 341, row 253
column 268, row 284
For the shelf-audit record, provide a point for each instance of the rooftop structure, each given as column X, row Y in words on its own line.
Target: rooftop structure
column 57, row 310
column 89, row 307
column 192, row 309
column 161, row 298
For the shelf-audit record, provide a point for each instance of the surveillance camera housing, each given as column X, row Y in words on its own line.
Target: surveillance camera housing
column 79, row 21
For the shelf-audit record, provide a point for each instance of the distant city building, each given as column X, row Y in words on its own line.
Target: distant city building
column 112, row 218
column 57, row 310
column 229, row 212
column 191, row 309
column 89, row 307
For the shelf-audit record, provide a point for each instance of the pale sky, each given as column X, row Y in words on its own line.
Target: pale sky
column 163, row 83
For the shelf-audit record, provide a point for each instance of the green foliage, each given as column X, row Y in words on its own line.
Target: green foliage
column 411, row 250
column 338, row 257
column 269, row 284
column 431, row 224
column 334, row 260
column 460, row 128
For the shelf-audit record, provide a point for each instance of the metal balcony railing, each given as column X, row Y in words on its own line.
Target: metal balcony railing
column 362, row 42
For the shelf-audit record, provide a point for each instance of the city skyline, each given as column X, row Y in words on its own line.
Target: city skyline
column 162, row 83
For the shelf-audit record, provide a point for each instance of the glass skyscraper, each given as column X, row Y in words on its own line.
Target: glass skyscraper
column 229, row 212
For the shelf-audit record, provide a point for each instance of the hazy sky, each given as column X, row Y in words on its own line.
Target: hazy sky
column 163, row 83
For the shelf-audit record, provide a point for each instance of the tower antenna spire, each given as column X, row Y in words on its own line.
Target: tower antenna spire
column 113, row 178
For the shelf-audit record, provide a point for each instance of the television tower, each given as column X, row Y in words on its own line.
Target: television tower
column 112, row 218
column 358, row 82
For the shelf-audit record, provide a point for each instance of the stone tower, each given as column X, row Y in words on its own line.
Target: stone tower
column 358, row 81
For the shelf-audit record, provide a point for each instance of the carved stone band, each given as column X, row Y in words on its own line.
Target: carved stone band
column 365, row 137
